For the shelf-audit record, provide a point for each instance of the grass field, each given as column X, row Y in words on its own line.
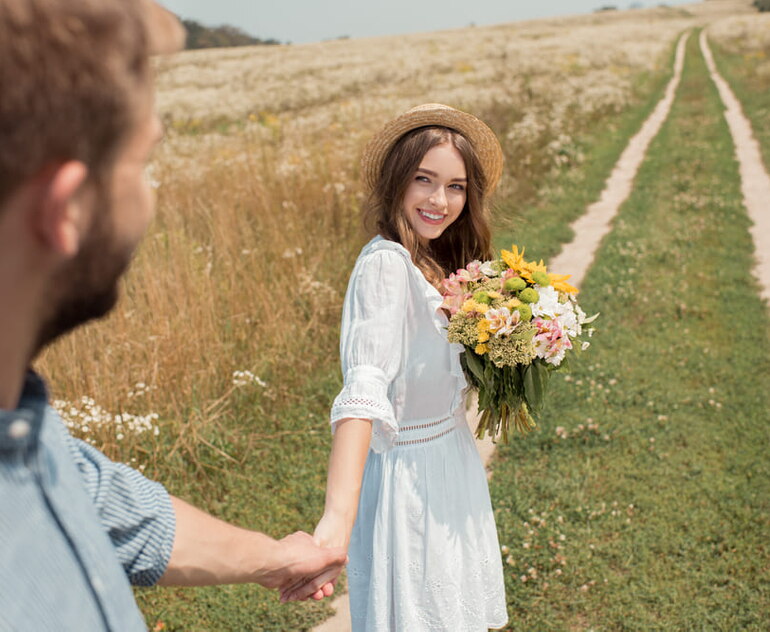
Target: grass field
column 225, row 346
column 643, row 501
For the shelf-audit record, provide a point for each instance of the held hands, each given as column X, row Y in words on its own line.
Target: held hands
column 304, row 569
column 332, row 532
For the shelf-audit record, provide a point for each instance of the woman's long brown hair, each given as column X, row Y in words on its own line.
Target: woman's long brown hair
column 466, row 239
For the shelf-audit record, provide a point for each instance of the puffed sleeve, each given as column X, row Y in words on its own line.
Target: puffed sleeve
column 371, row 343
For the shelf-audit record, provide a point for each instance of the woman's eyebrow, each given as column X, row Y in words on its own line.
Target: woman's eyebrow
column 435, row 175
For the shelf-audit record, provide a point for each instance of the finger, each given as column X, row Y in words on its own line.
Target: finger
column 331, row 569
column 289, row 593
column 318, row 595
column 315, row 584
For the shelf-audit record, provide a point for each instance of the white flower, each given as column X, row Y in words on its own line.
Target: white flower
column 548, row 304
column 487, row 269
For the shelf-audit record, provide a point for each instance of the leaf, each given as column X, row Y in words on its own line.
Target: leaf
column 535, row 384
column 475, row 365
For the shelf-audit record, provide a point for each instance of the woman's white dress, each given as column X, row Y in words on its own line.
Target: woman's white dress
column 424, row 553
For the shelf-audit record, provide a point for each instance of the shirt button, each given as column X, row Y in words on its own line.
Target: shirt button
column 97, row 583
column 18, row 429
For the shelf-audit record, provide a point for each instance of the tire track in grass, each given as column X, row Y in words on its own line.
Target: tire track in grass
column 576, row 257
column 755, row 182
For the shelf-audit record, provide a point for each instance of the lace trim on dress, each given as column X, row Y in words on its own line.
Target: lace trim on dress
column 365, row 396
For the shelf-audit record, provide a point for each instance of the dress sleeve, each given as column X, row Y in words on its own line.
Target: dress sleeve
column 371, row 343
column 135, row 512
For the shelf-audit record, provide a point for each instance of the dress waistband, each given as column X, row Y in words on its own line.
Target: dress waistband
column 411, row 434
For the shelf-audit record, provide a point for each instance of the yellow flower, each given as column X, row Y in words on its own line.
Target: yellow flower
column 481, row 349
column 483, row 328
column 513, row 259
column 494, row 295
column 559, row 283
column 514, row 302
column 529, row 267
column 474, row 306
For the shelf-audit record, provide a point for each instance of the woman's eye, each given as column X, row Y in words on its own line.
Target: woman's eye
column 422, row 179
column 458, row 187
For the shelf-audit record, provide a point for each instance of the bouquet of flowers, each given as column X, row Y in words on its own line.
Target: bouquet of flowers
column 517, row 323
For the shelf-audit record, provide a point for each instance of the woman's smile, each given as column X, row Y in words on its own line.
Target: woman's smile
column 431, row 217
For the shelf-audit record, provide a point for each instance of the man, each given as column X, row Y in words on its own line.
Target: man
column 76, row 128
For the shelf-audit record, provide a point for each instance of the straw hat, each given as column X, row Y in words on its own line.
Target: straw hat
column 480, row 136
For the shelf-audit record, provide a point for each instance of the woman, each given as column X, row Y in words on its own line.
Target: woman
column 422, row 541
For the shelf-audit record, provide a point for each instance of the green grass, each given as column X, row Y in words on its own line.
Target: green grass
column 751, row 86
column 274, row 480
column 652, row 513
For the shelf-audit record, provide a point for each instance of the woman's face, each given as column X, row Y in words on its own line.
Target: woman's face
column 436, row 194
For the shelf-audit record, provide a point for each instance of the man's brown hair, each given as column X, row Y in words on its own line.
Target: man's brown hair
column 72, row 76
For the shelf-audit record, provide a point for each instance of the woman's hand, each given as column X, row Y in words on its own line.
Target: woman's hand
column 333, row 531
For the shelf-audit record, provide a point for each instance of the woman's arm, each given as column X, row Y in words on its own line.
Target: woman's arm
column 350, row 445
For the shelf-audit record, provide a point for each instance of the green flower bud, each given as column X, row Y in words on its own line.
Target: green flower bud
column 529, row 295
column 541, row 278
column 525, row 312
column 482, row 297
column 514, row 284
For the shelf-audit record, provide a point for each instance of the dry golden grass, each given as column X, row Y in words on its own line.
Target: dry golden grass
column 257, row 229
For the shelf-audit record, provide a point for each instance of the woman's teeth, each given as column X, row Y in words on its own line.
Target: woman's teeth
column 434, row 216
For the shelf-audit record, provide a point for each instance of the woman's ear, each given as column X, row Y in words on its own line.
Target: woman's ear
column 61, row 219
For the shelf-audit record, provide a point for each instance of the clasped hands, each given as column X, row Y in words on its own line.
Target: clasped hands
column 330, row 535
column 309, row 569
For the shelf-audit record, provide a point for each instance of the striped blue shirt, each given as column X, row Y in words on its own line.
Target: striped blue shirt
column 76, row 529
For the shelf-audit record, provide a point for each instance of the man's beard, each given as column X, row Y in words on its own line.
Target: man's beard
column 87, row 288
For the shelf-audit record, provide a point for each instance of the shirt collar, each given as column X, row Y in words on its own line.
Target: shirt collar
column 19, row 428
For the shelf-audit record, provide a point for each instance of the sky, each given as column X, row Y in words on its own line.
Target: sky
column 302, row 21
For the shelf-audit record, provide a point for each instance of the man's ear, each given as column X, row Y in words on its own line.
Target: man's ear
column 61, row 219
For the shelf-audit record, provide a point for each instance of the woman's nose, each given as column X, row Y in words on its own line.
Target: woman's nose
column 438, row 198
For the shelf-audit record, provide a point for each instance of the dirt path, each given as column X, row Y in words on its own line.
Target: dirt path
column 575, row 257
column 755, row 182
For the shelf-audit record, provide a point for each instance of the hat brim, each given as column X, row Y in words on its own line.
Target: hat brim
column 482, row 138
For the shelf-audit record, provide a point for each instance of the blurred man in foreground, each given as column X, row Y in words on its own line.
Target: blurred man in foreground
column 77, row 126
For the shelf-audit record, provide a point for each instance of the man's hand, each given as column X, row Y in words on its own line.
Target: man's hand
column 209, row 551
column 304, row 569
